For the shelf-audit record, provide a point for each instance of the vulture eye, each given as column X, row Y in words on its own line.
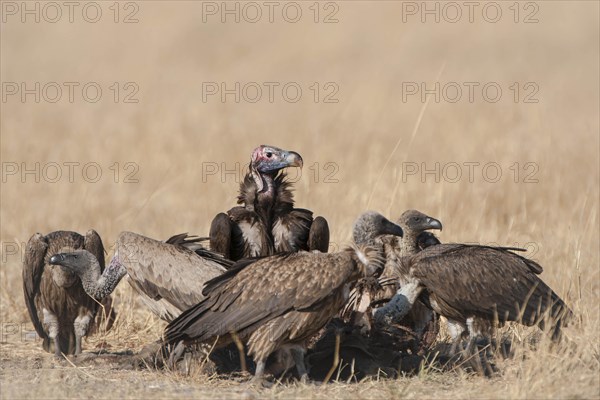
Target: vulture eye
column 269, row 154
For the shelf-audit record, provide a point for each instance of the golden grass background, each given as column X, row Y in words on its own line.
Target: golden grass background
column 171, row 134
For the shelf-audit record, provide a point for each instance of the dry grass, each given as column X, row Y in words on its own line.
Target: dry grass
column 170, row 133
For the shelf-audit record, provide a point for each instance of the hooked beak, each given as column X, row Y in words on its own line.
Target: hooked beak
column 433, row 223
column 393, row 229
column 293, row 159
column 57, row 259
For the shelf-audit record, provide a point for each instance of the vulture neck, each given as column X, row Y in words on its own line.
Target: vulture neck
column 267, row 194
column 97, row 285
column 369, row 260
column 63, row 277
column 408, row 243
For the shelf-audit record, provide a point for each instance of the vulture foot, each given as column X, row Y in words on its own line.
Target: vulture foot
column 298, row 355
column 258, row 380
column 57, row 352
column 478, row 360
column 176, row 355
column 77, row 345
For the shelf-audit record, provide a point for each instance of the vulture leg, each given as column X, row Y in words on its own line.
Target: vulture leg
column 318, row 237
column 471, row 356
column 220, row 235
column 480, row 358
column 51, row 323
column 476, row 359
column 176, row 354
column 77, row 344
column 298, row 355
column 81, row 324
column 259, row 373
column 57, row 350
column 456, row 330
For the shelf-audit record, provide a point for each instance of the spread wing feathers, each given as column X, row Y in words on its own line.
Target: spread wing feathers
column 318, row 237
column 263, row 290
column 33, row 267
column 164, row 272
column 467, row 280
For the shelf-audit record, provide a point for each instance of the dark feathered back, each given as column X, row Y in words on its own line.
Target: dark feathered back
column 257, row 291
column 470, row 280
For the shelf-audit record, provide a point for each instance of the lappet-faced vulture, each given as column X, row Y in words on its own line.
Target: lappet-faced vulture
column 266, row 222
column 473, row 283
column 61, row 312
column 168, row 276
column 281, row 301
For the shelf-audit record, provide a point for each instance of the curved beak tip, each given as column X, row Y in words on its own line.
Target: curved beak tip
column 397, row 231
column 435, row 224
column 294, row 159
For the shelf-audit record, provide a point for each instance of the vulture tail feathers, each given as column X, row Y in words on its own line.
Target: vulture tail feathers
column 176, row 330
column 546, row 307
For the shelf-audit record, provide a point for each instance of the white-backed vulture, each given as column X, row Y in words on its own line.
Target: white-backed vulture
column 168, row 276
column 471, row 283
column 266, row 222
column 61, row 312
column 414, row 224
column 280, row 302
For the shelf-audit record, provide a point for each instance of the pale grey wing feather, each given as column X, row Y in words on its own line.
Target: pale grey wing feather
column 33, row 268
column 165, row 272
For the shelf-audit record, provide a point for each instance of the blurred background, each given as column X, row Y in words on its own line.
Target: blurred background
column 376, row 97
